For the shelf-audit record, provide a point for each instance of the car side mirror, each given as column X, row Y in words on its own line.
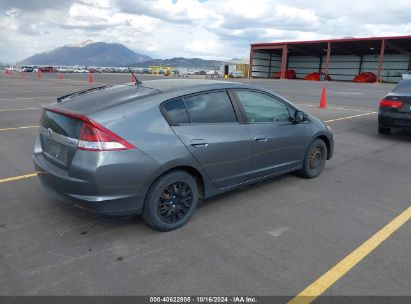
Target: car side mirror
column 299, row 116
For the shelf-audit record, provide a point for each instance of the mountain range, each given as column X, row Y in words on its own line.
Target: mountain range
column 90, row 53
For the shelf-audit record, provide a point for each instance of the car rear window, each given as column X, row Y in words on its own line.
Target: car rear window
column 213, row 107
column 175, row 112
column 403, row 87
column 61, row 124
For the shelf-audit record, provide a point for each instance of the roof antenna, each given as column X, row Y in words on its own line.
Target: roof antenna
column 134, row 78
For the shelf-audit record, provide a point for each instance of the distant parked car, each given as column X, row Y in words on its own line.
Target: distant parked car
column 395, row 108
column 80, row 70
column 158, row 147
column 11, row 69
column 63, row 69
column 94, row 70
column 46, row 69
column 406, row 75
column 27, row 69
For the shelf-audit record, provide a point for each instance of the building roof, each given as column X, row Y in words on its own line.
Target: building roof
column 343, row 46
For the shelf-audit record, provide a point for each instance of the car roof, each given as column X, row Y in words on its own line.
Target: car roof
column 150, row 91
column 195, row 85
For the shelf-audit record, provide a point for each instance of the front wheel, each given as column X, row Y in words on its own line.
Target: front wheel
column 314, row 160
column 171, row 201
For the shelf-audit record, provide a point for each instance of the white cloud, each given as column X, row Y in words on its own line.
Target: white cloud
column 190, row 28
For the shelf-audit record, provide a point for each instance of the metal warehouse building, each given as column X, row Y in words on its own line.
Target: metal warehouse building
column 342, row 59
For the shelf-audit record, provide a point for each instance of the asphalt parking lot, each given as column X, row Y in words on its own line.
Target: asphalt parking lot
column 272, row 238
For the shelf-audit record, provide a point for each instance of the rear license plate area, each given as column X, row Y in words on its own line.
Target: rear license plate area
column 55, row 151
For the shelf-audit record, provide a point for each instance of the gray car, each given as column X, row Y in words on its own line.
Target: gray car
column 156, row 148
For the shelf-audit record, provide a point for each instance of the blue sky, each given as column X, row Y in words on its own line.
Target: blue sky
column 212, row 29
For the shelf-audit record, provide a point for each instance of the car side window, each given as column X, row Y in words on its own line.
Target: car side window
column 213, row 107
column 176, row 112
column 262, row 108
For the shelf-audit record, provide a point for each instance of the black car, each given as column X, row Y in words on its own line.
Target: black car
column 395, row 109
column 27, row 69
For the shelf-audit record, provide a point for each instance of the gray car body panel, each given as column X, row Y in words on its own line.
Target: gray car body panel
column 231, row 159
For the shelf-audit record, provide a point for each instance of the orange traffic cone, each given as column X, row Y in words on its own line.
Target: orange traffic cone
column 323, row 100
column 60, row 75
column 90, row 80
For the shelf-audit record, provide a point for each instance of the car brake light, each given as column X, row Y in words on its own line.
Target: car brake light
column 394, row 104
column 94, row 137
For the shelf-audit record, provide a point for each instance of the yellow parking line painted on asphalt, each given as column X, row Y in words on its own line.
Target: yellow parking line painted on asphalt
column 17, row 128
column 9, row 179
column 349, row 117
column 341, row 268
column 5, row 110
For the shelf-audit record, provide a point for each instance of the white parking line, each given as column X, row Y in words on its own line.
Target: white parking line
column 349, row 117
column 278, row 231
column 27, row 98
column 5, row 110
column 345, row 93
column 18, row 128
column 15, row 98
column 333, row 108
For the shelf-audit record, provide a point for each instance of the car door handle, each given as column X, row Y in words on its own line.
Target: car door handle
column 199, row 143
column 261, row 138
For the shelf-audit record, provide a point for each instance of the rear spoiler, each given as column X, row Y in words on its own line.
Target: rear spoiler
column 80, row 93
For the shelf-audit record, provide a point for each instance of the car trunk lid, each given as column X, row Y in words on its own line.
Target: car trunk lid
column 59, row 135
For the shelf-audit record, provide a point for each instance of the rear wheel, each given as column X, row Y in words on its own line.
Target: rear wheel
column 383, row 130
column 314, row 160
column 171, row 201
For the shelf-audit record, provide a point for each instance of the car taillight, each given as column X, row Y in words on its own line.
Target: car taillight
column 394, row 104
column 94, row 137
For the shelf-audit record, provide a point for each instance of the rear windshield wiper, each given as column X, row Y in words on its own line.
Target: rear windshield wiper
column 80, row 93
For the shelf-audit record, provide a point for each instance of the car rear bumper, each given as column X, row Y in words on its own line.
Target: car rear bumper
column 400, row 120
column 108, row 183
column 83, row 194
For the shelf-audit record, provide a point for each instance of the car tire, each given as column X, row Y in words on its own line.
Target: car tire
column 160, row 211
column 314, row 160
column 383, row 130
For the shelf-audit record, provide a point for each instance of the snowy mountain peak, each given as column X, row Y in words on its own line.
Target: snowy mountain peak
column 83, row 44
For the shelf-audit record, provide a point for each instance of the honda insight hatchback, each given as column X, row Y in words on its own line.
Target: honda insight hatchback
column 156, row 148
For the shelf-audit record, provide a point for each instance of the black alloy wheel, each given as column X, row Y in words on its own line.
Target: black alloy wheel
column 175, row 202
